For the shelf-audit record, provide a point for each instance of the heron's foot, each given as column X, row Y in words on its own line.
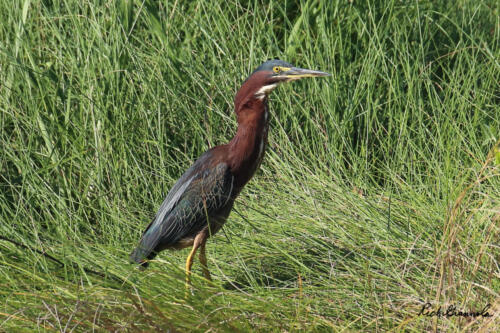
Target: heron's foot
column 189, row 290
column 203, row 262
column 206, row 274
column 189, row 264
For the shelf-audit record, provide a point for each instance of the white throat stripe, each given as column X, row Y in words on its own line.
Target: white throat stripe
column 265, row 90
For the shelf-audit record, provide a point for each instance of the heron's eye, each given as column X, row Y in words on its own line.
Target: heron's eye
column 276, row 69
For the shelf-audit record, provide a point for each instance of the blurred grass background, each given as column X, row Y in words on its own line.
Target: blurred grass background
column 379, row 191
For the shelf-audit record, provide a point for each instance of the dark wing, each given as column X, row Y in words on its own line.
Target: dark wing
column 201, row 192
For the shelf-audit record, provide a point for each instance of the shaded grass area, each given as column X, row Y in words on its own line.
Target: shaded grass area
column 379, row 191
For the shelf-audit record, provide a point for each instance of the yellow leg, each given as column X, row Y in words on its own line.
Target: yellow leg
column 198, row 240
column 203, row 261
column 189, row 264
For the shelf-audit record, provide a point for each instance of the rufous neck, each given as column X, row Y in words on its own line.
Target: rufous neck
column 252, row 121
column 246, row 149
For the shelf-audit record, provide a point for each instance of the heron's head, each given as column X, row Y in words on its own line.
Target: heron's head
column 268, row 76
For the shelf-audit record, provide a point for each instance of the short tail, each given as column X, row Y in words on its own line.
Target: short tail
column 141, row 257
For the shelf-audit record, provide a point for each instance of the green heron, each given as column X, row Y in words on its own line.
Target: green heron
column 199, row 203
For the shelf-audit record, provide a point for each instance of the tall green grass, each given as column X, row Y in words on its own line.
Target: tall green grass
column 379, row 191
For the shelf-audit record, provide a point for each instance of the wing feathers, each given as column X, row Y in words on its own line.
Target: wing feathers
column 184, row 211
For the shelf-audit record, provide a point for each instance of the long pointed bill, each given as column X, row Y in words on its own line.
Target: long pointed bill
column 296, row 73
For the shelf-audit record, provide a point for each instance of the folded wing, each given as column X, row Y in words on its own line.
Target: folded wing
column 197, row 196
